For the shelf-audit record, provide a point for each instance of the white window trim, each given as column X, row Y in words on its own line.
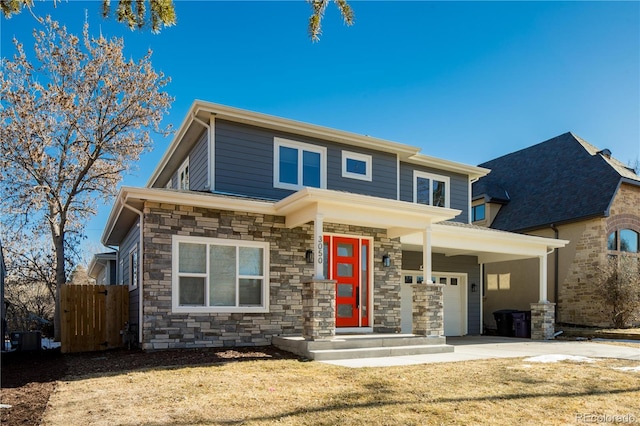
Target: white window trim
column 134, row 266
column 367, row 159
column 169, row 184
column 300, row 146
column 177, row 239
column 180, row 170
column 424, row 175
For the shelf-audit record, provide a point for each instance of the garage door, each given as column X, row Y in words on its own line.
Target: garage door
column 454, row 295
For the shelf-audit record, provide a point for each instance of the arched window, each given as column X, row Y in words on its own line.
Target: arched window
column 628, row 241
column 624, row 240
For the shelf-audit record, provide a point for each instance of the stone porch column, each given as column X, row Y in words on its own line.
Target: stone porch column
column 318, row 309
column 542, row 321
column 428, row 310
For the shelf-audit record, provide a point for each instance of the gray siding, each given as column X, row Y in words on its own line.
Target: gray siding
column 459, row 191
column 131, row 240
column 198, row 164
column 412, row 260
column 244, row 164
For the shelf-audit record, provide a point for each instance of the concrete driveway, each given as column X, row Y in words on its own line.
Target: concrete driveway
column 485, row 347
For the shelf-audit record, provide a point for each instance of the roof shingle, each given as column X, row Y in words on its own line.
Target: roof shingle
column 560, row 180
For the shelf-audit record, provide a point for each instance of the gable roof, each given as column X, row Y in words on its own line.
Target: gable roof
column 563, row 179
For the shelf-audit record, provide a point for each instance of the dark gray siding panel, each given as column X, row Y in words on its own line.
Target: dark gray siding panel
column 198, row 161
column 131, row 240
column 244, row 164
column 459, row 190
column 461, row 264
column 383, row 178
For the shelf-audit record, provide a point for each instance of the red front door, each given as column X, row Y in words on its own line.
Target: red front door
column 348, row 259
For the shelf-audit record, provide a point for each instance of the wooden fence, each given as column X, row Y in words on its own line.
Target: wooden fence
column 93, row 316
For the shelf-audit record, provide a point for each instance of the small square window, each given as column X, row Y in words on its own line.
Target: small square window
column 477, row 212
column 356, row 166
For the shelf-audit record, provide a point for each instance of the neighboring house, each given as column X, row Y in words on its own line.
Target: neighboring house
column 103, row 268
column 254, row 226
column 562, row 188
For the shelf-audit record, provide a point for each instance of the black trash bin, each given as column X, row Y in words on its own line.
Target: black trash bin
column 522, row 323
column 504, row 321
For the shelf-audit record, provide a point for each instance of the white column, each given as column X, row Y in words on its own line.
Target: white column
column 543, row 279
column 426, row 255
column 318, row 246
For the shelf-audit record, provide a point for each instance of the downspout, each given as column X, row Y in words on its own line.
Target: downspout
column 556, row 274
column 471, row 182
column 140, row 264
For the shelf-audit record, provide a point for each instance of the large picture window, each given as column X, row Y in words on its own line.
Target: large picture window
column 430, row 189
column 214, row 275
column 296, row 165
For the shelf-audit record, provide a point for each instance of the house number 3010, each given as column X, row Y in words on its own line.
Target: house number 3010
column 319, row 249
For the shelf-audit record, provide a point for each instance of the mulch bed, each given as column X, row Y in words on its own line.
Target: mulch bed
column 28, row 379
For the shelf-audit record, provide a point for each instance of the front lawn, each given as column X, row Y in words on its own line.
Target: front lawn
column 289, row 392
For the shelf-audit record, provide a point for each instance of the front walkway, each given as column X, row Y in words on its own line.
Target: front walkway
column 471, row 348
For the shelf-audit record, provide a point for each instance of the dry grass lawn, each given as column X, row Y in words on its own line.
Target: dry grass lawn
column 289, row 392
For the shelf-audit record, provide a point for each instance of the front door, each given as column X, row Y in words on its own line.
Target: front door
column 348, row 259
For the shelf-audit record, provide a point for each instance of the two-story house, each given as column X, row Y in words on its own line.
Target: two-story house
column 561, row 188
column 254, row 226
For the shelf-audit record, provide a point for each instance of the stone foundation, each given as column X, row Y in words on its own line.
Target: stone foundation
column 542, row 321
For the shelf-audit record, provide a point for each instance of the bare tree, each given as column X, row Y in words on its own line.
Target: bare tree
column 619, row 286
column 30, row 282
column 71, row 123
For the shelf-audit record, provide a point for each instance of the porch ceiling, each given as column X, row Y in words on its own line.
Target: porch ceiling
column 397, row 217
column 489, row 245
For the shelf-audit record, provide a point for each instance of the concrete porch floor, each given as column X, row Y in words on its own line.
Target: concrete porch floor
column 358, row 346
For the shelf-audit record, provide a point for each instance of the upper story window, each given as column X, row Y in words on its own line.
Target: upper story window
column 183, row 175
column 430, row 189
column 220, row 275
column 624, row 240
column 356, row 166
column 297, row 164
column 477, row 212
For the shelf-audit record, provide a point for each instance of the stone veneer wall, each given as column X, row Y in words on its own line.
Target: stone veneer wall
column 578, row 302
column 163, row 329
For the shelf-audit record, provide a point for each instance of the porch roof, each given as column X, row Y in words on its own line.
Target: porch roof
column 397, row 217
column 489, row 245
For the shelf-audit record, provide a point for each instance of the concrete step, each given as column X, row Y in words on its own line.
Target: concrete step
column 362, row 346
column 360, row 342
column 377, row 352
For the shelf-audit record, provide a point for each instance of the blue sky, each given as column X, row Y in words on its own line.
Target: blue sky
column 465, row 81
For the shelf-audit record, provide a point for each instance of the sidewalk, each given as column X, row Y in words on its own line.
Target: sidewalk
column 470, row 348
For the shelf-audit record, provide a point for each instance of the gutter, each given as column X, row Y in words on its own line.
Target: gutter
column 140, row 265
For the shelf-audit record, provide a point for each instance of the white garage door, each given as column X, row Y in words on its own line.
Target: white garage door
column 455, row 301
